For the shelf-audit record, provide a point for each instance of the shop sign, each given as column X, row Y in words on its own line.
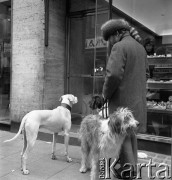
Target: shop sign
column 92, row 43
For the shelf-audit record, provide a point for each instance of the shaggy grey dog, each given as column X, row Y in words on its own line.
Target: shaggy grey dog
column 103, row 137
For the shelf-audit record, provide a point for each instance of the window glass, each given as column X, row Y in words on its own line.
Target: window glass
column 78, row 5
column 87, row 59
column 5, row 58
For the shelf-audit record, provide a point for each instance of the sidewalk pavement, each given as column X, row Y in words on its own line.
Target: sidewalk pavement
column 43, row 168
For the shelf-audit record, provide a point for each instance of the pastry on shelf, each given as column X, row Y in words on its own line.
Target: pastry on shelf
column 151, row 104
column 150, row 80
column 154, row 105
column 161, row 105
column 153, row 81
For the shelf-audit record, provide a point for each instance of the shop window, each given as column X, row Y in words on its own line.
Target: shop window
column 78, row 5
column 5, row 59
column 87, row 60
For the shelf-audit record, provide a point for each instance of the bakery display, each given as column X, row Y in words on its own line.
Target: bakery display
column 159, row 105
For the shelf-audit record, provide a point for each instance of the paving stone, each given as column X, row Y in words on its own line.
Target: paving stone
column 9, row 150
column 4, row 133
column 72, row 172
column 1, row 156
column 43, row 168
column 24, row 177
column 7, row 167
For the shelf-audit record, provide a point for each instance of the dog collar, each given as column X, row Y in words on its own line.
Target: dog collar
column 66, row 106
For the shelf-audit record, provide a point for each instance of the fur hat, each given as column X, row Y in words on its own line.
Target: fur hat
column 110, row 27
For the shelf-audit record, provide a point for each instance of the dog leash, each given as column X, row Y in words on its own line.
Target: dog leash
column 105, row 110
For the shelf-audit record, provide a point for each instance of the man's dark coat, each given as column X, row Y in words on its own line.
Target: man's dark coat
column 125, row 81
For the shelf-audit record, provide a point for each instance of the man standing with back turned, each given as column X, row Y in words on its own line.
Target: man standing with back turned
column 125, row 83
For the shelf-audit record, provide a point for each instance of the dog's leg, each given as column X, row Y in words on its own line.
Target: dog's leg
column 95, row 166
column 24, row 147
column 85, row 156
column 30, row 141
column 54, row 146
column 66, row 139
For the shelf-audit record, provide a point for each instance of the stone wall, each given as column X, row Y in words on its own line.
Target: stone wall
column 27, row 78
column 38, row 72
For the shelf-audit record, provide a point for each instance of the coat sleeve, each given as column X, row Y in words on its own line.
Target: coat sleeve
column 114, row 71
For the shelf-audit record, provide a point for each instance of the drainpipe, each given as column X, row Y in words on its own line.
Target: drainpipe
column 46, row 21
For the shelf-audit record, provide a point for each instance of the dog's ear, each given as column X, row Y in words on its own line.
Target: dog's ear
column 115, row 124
column 131, row 121
column 70, row 97
column 100, row 102
column 61, row 98
column 128, row 118
column 92, row 103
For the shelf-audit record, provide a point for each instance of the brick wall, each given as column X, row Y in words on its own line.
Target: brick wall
column 27, row 57
column 55, row 55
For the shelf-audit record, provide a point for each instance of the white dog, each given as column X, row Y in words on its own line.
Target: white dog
column 56, row 120
column 103, row 137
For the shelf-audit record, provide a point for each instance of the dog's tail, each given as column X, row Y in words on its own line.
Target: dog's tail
column 19, row 131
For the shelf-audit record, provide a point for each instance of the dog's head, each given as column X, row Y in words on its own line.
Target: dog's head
column 122, row 120
column 96, row 102
column 68, row 99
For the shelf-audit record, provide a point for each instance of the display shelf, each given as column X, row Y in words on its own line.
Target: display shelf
column 159, row 60
column 162, row 111
column 161, row 82
column 159, row 85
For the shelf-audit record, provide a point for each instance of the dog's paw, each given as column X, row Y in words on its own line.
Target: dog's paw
column 53, row 157
column 69, row 159
column 26, row 172
column 83, row 170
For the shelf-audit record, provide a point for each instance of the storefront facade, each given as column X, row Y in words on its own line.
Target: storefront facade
column 34, row 47
column 57, row 48
column 88, row 54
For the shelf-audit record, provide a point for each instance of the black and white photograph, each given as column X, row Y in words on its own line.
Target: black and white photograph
column 85, row 89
